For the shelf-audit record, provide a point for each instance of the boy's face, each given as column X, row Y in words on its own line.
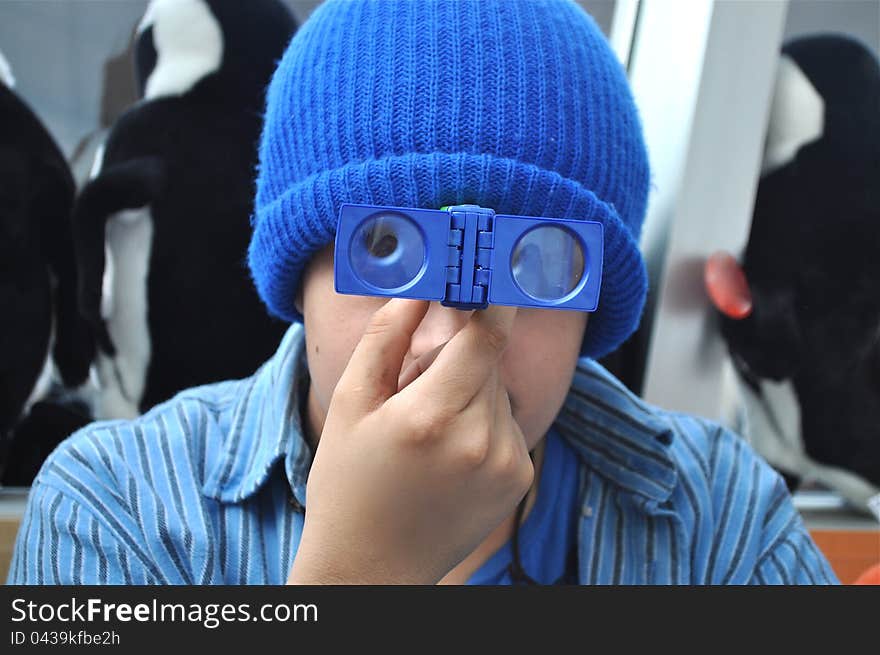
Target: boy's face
column 536, row 368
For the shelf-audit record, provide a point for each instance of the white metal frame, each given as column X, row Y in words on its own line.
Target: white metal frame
column 702, row 73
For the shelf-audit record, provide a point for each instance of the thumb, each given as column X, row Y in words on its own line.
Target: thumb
column 418, row 366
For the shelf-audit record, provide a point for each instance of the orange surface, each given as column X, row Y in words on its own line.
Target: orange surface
column 850, row 552
column 8, row 531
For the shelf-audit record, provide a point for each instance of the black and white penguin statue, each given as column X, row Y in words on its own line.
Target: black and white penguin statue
column 44, row 343
column 163, row 224
column 801, row 312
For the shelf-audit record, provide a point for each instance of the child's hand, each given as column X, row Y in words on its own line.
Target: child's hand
column 406, row 483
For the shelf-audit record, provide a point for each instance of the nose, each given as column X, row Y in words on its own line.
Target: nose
column 438, row 326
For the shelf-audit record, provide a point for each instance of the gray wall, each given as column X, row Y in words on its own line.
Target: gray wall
column 58, row 50
column 858, row 18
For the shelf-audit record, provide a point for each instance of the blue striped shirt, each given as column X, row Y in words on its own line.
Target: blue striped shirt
column 209, row 488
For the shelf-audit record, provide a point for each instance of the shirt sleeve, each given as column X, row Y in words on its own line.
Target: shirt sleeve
column 61, row 541
column 757, row 534
column 789, row 556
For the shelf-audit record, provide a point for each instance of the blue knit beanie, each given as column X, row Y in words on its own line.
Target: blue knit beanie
column 516, row 105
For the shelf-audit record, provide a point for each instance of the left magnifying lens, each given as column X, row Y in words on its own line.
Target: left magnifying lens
column 387, row 251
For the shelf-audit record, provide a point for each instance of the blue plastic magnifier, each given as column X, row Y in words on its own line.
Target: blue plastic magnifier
column 467, row 256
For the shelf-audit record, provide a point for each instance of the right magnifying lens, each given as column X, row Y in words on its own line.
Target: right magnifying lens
column 548, row 263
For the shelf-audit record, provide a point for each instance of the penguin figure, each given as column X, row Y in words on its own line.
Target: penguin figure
column 801, row 316
column 41, row 331
column 162, row 226
column 43, row 340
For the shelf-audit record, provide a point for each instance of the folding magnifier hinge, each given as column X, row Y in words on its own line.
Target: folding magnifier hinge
column 468, row 257
column 469, row 268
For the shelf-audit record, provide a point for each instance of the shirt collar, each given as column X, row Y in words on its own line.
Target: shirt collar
column 266, row 426
column 617, row 434
column 612, row 430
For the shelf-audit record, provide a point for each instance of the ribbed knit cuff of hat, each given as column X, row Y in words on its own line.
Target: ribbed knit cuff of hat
column 302, row 220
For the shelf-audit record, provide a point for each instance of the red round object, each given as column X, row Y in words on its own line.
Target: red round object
column 870, row 576
column 727, row 286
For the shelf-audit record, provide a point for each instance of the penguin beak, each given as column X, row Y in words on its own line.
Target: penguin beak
column 726, row 285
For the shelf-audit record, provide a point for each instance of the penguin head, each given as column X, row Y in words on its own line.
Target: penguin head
column 229, row 45
column 179, row 42
column 6, row 77
column 842, row 78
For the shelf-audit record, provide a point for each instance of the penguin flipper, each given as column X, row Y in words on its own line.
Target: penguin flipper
column 126, row 185
column 74, row 344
